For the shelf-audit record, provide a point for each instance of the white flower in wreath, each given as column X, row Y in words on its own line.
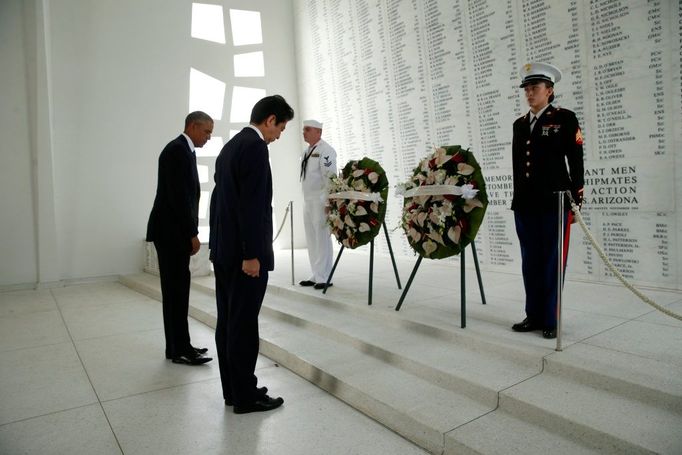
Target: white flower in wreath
column 359, row 185
column 465, row 169
column 421, row 200
column 435, row 235
column 440, row 176
column 435, row 218
column 364, row 227
column 468, row 191
column 454, row 233
column 411, row 217
column 360, row 210
column 429, row 247
column 442, row 216
column 349, row 221
column 451, row 180
column 415, row 234
column 430, row 178
column 446, row 208
column 374, row 207
column 471, row 204
column 373, row 177
column 442, row 156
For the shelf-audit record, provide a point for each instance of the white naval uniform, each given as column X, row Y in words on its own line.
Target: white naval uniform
column 321, row 165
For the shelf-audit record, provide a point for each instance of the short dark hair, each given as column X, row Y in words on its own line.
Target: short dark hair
column 271, row 105
column 197, row 117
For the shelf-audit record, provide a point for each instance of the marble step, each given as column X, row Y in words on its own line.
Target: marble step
column 620, row 373
column 616, row 371
column 413, row 407
column 500, row 433
column 487, row 338
column 479, row 373
column 408, row 375
column 608, row 420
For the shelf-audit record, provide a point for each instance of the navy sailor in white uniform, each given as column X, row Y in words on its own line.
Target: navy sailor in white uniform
column 318, row 164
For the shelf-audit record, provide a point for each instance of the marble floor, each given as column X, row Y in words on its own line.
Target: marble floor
column 82, row 371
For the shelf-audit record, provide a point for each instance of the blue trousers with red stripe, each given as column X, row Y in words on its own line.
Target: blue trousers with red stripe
column 537, row 234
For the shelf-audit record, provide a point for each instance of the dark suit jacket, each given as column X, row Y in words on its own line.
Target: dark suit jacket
column 175, row 215
column 539, row 159
column 241, row 203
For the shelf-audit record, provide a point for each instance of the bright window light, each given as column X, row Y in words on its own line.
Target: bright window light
column 233, row 133
column 243, row 99
column 206, row 94
column 207, row 22
column 204, row 233
column 246, row 27
column 203, row 173
column 203, row 204
column 211, row 148
column 249, row 65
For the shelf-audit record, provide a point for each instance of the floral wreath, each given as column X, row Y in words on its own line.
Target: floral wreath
column 445, row 201
column 357, row 202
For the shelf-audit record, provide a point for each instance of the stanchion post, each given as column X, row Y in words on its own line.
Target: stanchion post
column 463, row 298
column 560, row 266
column 291, row 224
column 371, row 270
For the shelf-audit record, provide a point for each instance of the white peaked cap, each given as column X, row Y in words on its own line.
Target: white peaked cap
column 312, row 123
column 535, row 72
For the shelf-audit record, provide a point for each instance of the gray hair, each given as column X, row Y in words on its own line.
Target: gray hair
column 197, row 117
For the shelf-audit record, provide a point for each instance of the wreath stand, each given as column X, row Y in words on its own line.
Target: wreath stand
column 371, row 265
column 463, row 282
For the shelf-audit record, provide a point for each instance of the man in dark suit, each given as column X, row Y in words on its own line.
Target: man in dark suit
column 241, row 250
column 173, row 227
column 545, row 140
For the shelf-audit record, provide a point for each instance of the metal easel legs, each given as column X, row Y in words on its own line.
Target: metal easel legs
column 462, row 280
column 371, row 266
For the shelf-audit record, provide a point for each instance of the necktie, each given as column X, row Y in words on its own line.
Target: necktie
column 304, row 163
column 532, row 123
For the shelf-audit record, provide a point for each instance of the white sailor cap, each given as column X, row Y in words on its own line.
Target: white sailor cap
column 312, row 123
column 536, row 72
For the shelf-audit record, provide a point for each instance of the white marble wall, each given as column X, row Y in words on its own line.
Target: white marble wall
column 390, row 78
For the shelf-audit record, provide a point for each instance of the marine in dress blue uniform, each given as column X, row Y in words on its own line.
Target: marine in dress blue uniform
column 547, row 156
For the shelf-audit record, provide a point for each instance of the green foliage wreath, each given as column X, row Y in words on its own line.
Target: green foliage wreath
column 445, row 201
column 357, row 202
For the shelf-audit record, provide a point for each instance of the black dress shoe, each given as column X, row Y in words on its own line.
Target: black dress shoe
column 321, row 285
column 197, row 351
column 189, row 359
column 524, row 326
column 549, row 333
column 266, row 403
column 307, row 283
column 260, row 391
